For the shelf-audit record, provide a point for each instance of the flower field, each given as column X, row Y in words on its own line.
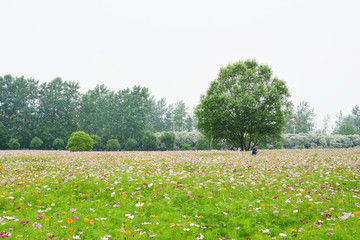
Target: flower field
column 280, row 194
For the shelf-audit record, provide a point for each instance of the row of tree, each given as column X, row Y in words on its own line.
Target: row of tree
column 301, row 120
column 243, row 106
column 56, row 109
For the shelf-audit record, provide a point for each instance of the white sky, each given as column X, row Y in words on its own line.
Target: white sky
column 176, row 48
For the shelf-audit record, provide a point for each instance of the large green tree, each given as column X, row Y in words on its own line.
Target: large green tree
column 58, row 110
column 157, row 115
column 18, row 107
column 97, row 112
column 4, row 137
column 244, row 105
column 179, row 116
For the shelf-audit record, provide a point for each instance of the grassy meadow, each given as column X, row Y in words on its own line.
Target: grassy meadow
column 279, row 194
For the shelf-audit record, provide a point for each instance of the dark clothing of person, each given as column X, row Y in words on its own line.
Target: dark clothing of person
column 254, row 151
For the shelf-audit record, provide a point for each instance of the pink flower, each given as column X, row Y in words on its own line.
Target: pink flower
column 276, row 212
column 37, row 226
column 152, row 235
column 5, row 234
column 72, row 209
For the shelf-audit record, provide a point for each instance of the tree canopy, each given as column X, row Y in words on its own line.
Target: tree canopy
column 302, row 119
column 244, row 105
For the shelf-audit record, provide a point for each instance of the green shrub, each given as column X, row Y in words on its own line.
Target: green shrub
column 4, row 137
column 149, row 142
column 131, row 144
column 185, row 146
column 112, row 145
column 36, row 143
column 14, row 144
column 202, row 144
column 58, row 144
column 98, row 145
column 186, row 137
column 168, row 139
column 80, row 141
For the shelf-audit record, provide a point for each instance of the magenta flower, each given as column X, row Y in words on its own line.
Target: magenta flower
column 5, row 234
column 26, row 222
column 76, row 217
column 303, row 221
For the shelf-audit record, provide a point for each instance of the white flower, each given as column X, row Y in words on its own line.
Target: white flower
column 282, row 234
column 295, row 211
column 129, row 216
column 76, row 237
column 265, row 230
column 186, row 229
column 150, row 185
column 139, row 204
column 92, row 210
column 201, row 236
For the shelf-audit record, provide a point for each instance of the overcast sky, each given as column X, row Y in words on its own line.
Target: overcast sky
column 176, row 48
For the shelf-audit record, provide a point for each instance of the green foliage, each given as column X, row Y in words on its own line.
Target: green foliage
column 58, row 144
column 113, row 145
column 355, row 116
column 4, row 137
column 244, row 105
column 80, row 141
column 186, row 137
column 59, row 110
column 185, row 146
column 36, row 143
column 149, row 141
column 278, row 146
column 18, row 107
column 179, row 116
column 168, row 139
column 202, row 144
column 131, row 144
column 98, row 145
column 14, row 144
column 347, row 128
column 302, row 119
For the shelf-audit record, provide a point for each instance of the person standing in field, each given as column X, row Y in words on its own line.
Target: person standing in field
column 254, row 150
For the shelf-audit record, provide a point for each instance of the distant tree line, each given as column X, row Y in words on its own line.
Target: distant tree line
column 43, row 116
column 242, row 107
column 301, row 120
